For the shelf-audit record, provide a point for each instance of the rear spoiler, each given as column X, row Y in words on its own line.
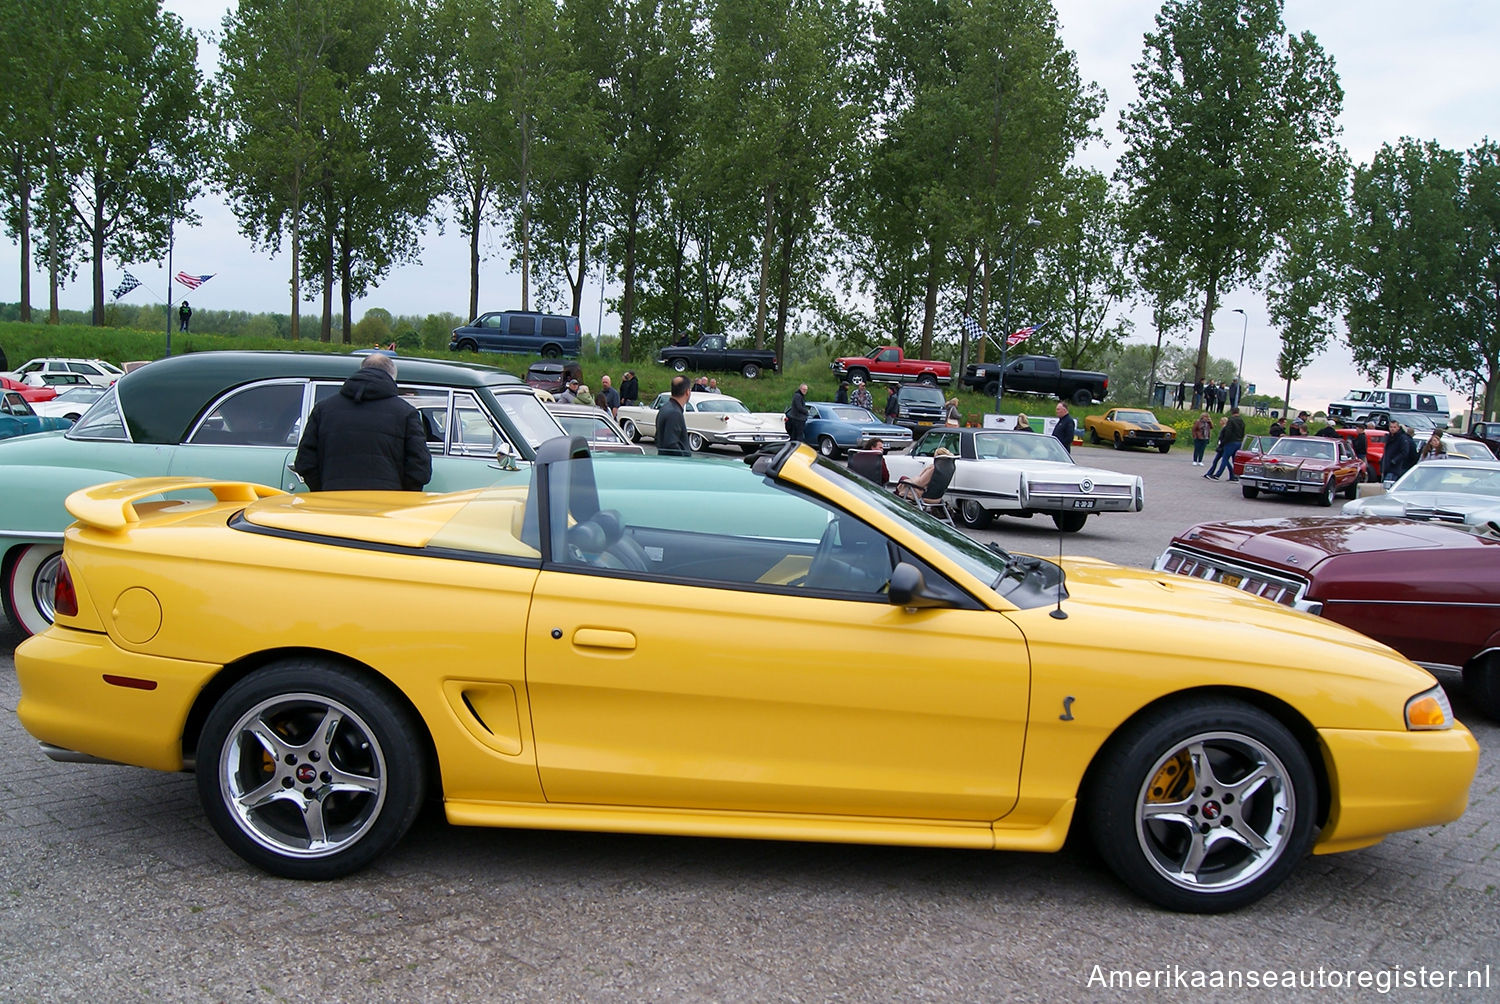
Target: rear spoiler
column 112, row 506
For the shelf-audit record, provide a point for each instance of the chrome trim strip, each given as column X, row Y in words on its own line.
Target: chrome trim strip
column 1438, row 667
column 62, row 755
column 33, row 534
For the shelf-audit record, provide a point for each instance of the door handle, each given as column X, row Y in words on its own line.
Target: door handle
column 603, row 638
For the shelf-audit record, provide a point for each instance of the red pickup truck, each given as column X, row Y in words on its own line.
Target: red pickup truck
column 888, row 364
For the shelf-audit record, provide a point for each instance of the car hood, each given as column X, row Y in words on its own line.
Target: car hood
column 1298, row 544
column 1296, row 463
column 1452, row 507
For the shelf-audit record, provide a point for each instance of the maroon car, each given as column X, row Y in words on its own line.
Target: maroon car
column 1429, row 590
column 1304, row 465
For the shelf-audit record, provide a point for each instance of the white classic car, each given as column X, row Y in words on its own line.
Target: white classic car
column 1456, row 490
column 1019, row 474
column 712, row 419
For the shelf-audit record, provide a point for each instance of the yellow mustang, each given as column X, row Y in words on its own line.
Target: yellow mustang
column 1129, row 427
column 326, row 661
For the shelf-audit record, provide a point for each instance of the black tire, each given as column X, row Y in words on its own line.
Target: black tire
column 1083, row 396
column 971, row 514
column 750, row 371
column 1118, row 444
column 1352, row 490
column 551, row 351
column 1326, row 498
column 828, row 447
column 1191, row 760
column 696, row 442
column 1249, row 491
column 631, row 432
column 992, row 389
column 859, row 373
column 308, row 745
column 1482, row 684
column 468, row 345
column 1094, row 436
column 927, row 380
column 1163, row 448
column 1070, row 522
column 678, row 364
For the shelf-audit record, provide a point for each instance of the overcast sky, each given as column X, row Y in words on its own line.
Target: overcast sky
column 1429, row 71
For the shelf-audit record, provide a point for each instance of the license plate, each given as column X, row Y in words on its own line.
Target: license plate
column 1083, row 503
column 1272, row 486
column 1232, row 580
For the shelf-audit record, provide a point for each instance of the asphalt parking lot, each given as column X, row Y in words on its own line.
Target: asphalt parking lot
column 115, row 888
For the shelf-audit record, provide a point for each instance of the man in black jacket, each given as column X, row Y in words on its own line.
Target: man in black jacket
column 1066, row 428
column 365, row 437
column 796, row 415
column 671, row 423
column 1400, row 453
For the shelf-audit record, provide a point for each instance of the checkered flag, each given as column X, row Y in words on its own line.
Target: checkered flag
column 972, row 329
column 126, row 285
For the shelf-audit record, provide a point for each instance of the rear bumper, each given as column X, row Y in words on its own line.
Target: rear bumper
column 68, row 701
column 1383, row 782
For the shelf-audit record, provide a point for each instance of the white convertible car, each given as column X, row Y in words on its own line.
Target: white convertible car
column 1018, row 474
column 712, row 419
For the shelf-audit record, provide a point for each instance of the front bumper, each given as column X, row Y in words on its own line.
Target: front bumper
column 1383, row 782
column 1278, row 487
column 67, row 699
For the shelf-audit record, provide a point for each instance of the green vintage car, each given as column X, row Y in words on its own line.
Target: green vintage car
column 235, row 415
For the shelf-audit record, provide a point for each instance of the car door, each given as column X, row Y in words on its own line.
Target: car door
column 249, row 434
column 718, row 678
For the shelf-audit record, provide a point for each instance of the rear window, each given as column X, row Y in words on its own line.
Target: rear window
column 554, row 327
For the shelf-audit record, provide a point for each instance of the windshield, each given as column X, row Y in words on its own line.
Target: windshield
column 1357, row 395
column 1019, row 446
column 1138, row 417
column 1002, row 570
column 720, row 405
column 530, row 417
column 1306, row 447
column 1455, row 478
column 922, row 395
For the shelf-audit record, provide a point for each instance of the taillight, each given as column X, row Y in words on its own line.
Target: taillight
column 64, row 597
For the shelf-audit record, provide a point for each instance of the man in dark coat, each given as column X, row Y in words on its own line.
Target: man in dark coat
column 1400, row 453
column 1065, row 428
column 365, row 437
column 184, row 316
column 796, row 415
column 630, row 388
column 671, row 423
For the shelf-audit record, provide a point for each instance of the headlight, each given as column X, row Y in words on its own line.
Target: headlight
column 1252, row 469
column 1429, row 710
column 1309, row 476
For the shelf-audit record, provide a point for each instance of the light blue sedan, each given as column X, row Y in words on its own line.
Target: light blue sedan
column 835, row 429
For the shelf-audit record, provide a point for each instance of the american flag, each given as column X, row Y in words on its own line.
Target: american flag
column 1017, row 337
column 126, row 285
column 193, row 281
column 972, row 329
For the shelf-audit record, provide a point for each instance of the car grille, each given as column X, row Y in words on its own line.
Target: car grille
column 1071, row 488
column 1437, row 515
column 1246, row 578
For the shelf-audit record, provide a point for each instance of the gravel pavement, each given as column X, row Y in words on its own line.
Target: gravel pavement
column 114, row 888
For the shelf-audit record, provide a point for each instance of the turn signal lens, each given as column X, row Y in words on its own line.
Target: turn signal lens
column 1429, row 710
column 64, row 598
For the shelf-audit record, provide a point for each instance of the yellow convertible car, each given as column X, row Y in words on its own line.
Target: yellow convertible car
column 1129, row 427
column 325, row 662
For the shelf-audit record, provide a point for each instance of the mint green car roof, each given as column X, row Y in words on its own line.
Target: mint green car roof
column 163, row 400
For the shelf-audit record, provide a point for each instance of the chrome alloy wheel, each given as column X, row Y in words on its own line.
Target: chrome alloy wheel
column 1216, row 812
column 302, row 775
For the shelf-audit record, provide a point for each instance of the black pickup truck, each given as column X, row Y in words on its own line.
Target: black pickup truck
column 1038, row 375
column 711, row 352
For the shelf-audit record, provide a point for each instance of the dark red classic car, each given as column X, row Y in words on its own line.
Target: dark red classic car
column 1304, row 465
column 1431, row 591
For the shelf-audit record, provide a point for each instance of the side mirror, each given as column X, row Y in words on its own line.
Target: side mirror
column 505, row 456
column 908, row 588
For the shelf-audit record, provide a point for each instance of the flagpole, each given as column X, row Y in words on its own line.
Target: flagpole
column 171, row 220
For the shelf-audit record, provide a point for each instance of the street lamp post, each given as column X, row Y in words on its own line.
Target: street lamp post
column 1239, row 373
column 1010, row 280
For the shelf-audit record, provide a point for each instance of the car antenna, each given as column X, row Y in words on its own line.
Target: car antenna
column 1059, row 614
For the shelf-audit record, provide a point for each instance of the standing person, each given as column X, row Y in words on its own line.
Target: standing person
column 184, row 315
column 713, row 385
column 609, row 398
column 1181, row 392
column 892, row 404
column 1400, row 453
column 1361, row 447
column 1198, row 401
column 1209, row 401
column 861, row 397
column 366, row 437
column 1277, row 429
column 1234, row 393
column 796, row 415
column 1203, row 430
column 951, row 414
column 1231, row 435
column 1433, row 449
column 1065, row 427
column 630, row 388
column 1023, row 424
column 585, row 396
column 671, row 423
column 570, row 394
column 1299, row 425
column 842, row 397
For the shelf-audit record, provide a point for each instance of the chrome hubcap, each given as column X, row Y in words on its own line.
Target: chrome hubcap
column 44, row 587
column 1216, row 812
column 302, row 775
